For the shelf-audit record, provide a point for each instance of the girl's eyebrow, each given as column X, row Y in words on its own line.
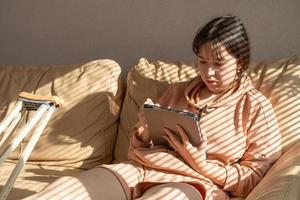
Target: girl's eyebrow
column 221, row 62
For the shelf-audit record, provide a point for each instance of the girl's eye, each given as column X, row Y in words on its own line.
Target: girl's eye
column 202, row 61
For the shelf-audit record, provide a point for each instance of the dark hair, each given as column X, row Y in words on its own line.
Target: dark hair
column 228, row 31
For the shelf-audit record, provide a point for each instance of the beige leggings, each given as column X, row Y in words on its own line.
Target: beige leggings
column 101, row 184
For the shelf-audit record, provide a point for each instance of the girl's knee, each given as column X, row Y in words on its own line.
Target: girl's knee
column 171, row 191
column 91, row 184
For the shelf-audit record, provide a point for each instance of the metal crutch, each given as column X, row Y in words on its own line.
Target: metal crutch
column 44, row 106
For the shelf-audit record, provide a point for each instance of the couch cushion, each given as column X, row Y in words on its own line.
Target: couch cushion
column 33, row 178
column 82, row 133
column 283, row 180
column 280, row 82
column 146, row 80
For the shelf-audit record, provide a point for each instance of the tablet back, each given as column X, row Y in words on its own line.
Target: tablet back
column 158, row 117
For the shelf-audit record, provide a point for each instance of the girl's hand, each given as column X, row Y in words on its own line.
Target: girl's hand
column 194, row 156
column 143, row 133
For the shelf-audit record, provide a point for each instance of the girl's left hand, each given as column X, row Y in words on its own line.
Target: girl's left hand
column 194, row 156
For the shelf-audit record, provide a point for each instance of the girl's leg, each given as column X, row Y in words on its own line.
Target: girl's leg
column 98, row 183
column 171, row 191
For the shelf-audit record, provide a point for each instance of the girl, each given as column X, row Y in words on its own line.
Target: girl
column 241, row 139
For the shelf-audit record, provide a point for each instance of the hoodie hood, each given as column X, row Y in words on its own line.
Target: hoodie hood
column 227, row 98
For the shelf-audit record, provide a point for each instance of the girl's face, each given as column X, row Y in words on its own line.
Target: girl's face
column 217, row 73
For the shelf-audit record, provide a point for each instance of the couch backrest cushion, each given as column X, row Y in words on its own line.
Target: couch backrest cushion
column 278, row 80
column 282, row 181
column 146, row 80
column 82, row 133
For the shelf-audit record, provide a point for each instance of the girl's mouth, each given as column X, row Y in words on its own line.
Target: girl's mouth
column 210, row 81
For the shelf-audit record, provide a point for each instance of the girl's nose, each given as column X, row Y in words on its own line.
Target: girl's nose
column 211, row 70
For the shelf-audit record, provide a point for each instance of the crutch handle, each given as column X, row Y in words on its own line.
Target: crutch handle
column 32, row 97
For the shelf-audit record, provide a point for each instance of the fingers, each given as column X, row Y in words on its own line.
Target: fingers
column 141, row 129
column 186, row 139
column 142, row 119
column 203, row 137
column 182, row 133
column 170, row 137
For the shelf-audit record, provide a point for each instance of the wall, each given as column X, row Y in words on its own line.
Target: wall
column 71, row 31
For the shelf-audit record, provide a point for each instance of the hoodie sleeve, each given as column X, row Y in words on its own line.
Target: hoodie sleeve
column 137, row 139
column 263, row 149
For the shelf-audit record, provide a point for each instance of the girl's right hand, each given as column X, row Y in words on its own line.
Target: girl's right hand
column 143, row 133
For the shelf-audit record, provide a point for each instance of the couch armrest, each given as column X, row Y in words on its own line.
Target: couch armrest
column 282, row 181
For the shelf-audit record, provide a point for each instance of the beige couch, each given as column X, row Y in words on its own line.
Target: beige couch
column 100, row 108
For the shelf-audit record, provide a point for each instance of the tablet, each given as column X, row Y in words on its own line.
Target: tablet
column 158, row 117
